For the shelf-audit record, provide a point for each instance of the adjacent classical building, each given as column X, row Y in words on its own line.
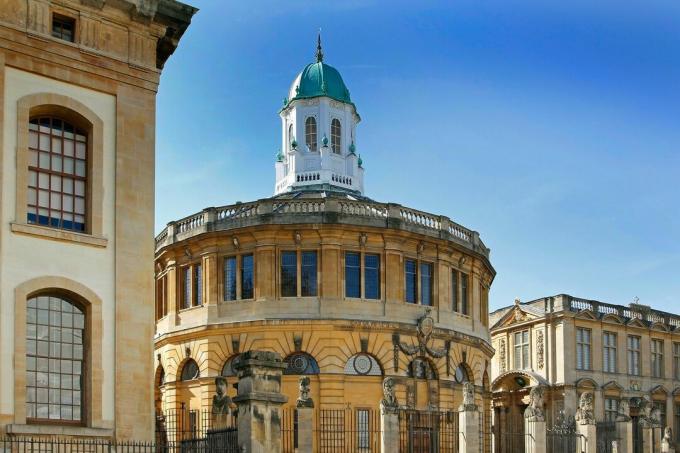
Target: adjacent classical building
column 78, row 82
column 571, row 345
column 349, row 290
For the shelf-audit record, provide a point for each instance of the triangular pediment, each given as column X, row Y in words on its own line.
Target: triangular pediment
column 635, row 322
column 658, row 389
column 586, row 382
column 612, row 318
column 659, row 326
column 586, row 314
column 612, row 385
column 515, row 316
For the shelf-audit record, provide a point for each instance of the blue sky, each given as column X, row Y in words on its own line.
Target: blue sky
column 551, row 128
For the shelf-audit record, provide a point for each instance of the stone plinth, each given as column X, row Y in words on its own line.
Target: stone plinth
column 468, row 437
column 651, row 438
column 259, row 401
column 305, row 433
column 389, row 427
column 624, row 429
column 589, row 431
column 535, row 439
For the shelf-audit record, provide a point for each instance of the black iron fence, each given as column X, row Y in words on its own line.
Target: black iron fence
column 216, row 441
column 289, row 430
column 347, row 430
column 428, row 431
column 180, row 425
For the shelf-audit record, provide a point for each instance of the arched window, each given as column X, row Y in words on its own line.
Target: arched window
column 190, row 371
column 57, row 174
column 310, row 133
column 301, row 363
column 55, row 359
column 290, row 134
column 336, row 131
column 228, row 368
column 363, row 364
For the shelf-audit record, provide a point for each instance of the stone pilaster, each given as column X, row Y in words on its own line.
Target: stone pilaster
column 259, row 401
column 305, row 432
column 589, row 431
column 624, row 429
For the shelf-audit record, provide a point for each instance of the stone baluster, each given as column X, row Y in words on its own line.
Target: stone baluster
column 259, row 401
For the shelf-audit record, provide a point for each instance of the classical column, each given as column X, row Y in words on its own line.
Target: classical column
column 389, row 418
column 585, row 422
column 305, row 411
column 259, row 401
column 468, row 421
column 534, row 423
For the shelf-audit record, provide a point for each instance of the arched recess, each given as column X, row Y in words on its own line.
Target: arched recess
column 363, row 364
column 463, row 373
column 92, row 306
column 228, row 369
column 65, row 107
column 159, row 381
column 300, row 363
column 485, row 381
column 189, row 371
column 517, row 379
column 422, row 368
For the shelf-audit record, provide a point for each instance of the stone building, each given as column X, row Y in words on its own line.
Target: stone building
column 78, row 82
column 624, row 355
column 347, row 289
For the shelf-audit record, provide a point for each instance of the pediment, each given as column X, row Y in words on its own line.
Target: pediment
column 612, row 318
column 586, row 314
column 676, row 391
column 634, row 322
column 659, row 326
column 658, row 389
column 612, row 385
column 515, row 316
column 586, row 382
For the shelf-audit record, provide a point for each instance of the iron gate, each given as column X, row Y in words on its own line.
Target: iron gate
column 606, row 434
column 428, row 431
column 562, row 437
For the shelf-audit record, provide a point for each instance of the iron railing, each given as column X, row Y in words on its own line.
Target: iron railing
column 428, row 431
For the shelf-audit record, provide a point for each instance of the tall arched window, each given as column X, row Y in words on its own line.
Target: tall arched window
column 190, row 371
column 290, row 134
column 310, row 133
column 336, row 131
column 57, row 174
column 55, row 359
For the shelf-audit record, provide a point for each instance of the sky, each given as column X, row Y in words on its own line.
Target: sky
column 552, row 128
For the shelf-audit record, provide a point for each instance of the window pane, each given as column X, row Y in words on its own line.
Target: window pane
column 186, row 286
column 372, row 276
column 410, row 277
column 198, row 284
column 308, row 276
column 464, row 294
column 310, row 133
column 335, row 136
column 247, row 277
column 426, row 284
column 288, row 274
column 454, row 290
column 230, row 278
column 352, row 274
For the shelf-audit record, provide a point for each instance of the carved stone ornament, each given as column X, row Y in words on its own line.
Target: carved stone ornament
column 425, row 329
column 389, row 403
column 623, row 412
column 421, row 247
column 297, row 236
column 519, row 316
column 649, row 415
column 234, row 240
column 539, row 349
column 363, row 238
column 468, row 398
column 585, row 414
column 534, row 412
column 501, row 356
column 304, row 400
column 187, row 351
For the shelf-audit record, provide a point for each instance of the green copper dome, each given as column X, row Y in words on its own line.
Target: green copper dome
column 319, row 79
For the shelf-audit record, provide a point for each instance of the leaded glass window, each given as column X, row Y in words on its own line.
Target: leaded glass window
column 55, row 360
column 583, row 361
column 522, row 350
column 246, row 276
column 230, row 278
column 464, row 293
column 190, row 371
column 336, row 133
column 676, row 361
column 352, row 274
column 372, row 276
column 308, row 274
column 57, row 174
column 186, row 287
column 609, row 352
column 310, row 133
column 657, row 358
column 454, row 290
column 634, row 355
column 426, row 284
column 301, row 363
column 289, row 274
column 411, row 280
column 611, row 409
column 198, row 285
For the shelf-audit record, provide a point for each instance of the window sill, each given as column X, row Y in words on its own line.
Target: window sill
column 59, row 235
column 188, row 309
column 58, row 430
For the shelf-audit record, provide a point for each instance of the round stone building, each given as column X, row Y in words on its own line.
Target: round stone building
column 347, row 289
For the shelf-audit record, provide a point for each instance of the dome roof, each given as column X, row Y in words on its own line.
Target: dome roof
column 319, row 79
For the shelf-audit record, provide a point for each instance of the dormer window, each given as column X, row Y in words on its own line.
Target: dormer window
column 335, row 136
column 63, row 27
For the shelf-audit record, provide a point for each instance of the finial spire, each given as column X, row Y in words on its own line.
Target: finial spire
column 319, row 52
